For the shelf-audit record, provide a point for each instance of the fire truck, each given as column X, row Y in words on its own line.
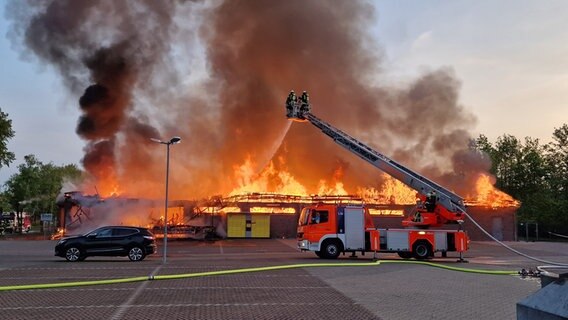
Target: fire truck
column 332, row 229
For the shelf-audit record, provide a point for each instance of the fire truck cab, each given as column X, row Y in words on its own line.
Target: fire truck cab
column 331, row 229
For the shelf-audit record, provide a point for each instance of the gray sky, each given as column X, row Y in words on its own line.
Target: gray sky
column 510, row 56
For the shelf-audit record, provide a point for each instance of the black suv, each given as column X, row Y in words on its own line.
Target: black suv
column 133, row 242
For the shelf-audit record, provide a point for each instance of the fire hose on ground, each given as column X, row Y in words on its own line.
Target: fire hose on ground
column 247, row 270
column 558, row 235
column 291, row 266
column 511, row 249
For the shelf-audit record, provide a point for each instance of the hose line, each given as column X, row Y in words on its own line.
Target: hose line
column 558, row 235
column 511, row 249
column 246, row 270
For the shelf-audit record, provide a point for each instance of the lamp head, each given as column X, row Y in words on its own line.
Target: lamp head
column 175, row 140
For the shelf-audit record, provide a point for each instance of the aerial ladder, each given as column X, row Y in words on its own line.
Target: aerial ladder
column 436, row 205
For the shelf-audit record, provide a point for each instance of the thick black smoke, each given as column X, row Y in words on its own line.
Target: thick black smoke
column 217, row 74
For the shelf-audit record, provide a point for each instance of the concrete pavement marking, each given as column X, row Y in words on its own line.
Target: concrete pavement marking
column 187, row 305
column 127, row 304
column 288, row 243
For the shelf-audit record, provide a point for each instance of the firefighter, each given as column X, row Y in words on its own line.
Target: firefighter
column 430, row 203
column 291, row 98
column 290, row 102
column 316, row 217
column 304, row 99
column 417, row 216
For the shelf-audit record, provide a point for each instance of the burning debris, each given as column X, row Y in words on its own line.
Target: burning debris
column 212, row 217
column 80, row 213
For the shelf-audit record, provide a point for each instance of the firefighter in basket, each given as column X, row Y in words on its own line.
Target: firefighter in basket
column 290, row 101
column 305, row 102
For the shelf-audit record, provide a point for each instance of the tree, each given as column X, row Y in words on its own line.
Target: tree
column 534, row 174
column 558, row 160
column 505, row 155
column 6, row 133
column 557, row 177
column 532, row 189
column 4, row 204
column 35, row 187
column 485, row 148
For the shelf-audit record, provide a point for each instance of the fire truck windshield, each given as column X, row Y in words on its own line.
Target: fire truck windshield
column 303, row 220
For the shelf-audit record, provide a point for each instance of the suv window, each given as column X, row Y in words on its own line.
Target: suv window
column 103, row 233
column 121, row 232
column 146, row 232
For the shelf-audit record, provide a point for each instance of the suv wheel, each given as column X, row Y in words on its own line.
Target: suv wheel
column 73, row 254
column 136, row 254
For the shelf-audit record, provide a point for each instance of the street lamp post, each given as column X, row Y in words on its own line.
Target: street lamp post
column 173, row 140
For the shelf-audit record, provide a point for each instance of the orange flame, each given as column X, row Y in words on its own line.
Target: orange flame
column 487, row 195
column 269, row 180
column 392, row 191
column 104, row 187
column 337, row 189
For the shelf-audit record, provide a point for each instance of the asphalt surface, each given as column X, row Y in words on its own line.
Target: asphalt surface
column 385, row 291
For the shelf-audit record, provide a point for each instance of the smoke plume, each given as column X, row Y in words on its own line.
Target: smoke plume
column 217, row 74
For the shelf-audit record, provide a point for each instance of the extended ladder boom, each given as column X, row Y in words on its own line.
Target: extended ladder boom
column 454, row 204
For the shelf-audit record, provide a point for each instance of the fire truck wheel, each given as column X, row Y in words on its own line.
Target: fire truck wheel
column 318, row 253
column 422, row 250
column 73, row 254
column 136, row 254
column 331, row 249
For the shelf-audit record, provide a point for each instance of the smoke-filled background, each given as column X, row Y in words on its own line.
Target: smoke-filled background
column 217, row 73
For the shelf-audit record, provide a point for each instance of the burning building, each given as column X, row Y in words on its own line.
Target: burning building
column 260, row 215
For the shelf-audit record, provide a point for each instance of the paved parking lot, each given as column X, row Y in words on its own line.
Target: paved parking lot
column 385, row 291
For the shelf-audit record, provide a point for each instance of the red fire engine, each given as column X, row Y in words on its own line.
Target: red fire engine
column 330, row 229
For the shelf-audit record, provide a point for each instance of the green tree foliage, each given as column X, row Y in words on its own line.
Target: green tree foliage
column 6, row 133
column 534, row 174
column 4, row 203
column 35, row 187
column 557, row 161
